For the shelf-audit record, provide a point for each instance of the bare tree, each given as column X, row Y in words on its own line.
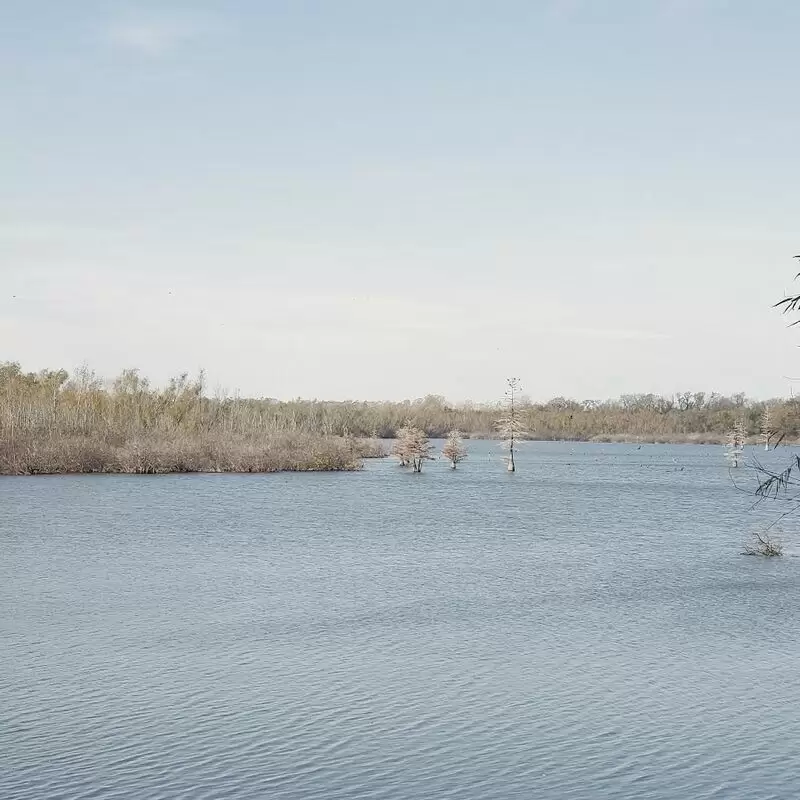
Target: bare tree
column 736, row 440
column 510, row 426
column 403, row 445
column 420, row 448
column 767, row 431
column 412, row 447
column 454, row 450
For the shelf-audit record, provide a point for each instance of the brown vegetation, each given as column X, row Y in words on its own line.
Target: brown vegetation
column 688, row 417
column 50, row 423
column 152, row 455
column 370, row 448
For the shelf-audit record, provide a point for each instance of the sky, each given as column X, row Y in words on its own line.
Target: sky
column 381, row 200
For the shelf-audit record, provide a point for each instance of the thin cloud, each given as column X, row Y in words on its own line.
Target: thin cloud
column 158, row 36
column 690, row 8
column 608, row 333
column 572, row 10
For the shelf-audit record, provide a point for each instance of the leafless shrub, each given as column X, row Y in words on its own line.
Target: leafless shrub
column 761, row 544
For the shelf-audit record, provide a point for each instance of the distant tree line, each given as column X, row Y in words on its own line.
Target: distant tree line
column 53, row 402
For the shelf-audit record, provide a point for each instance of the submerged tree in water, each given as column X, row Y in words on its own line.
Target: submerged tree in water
column 736, row 440
column 420, row 448
column 412, row 447
column 454, row 450
column 401, row 449
column 510, row 425
column 767, row 431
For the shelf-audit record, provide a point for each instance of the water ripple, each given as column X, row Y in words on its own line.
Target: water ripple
column 295, row 637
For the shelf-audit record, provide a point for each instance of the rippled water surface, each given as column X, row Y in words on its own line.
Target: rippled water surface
column 583, row 629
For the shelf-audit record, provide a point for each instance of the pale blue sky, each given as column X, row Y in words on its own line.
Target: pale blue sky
column 383, row 200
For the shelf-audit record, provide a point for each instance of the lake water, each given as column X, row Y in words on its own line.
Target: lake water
column 585, row 628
